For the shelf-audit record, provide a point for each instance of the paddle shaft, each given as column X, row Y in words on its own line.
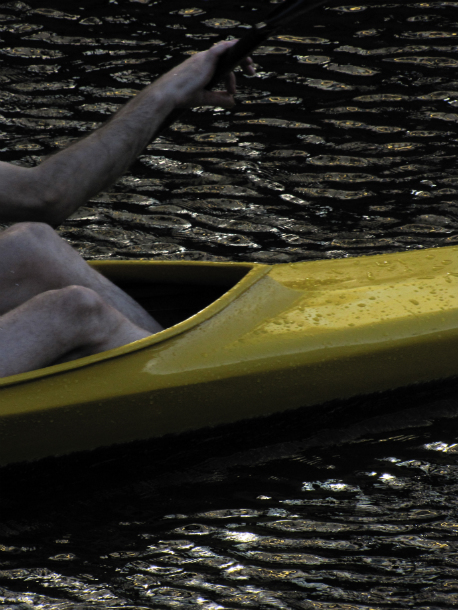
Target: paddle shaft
column 246, row 45
column 230, row 60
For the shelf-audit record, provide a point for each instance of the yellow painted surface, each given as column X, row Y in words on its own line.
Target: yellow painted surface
column 285, row 336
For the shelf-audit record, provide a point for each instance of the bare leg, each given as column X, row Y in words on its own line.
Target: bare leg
column 34, row 259
column 61, row 325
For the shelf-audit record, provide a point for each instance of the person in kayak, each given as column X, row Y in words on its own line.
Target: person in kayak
column 53, row 306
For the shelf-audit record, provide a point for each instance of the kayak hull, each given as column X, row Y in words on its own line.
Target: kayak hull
column 283, row 337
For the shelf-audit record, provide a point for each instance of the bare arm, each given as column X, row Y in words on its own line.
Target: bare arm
column 54, row 189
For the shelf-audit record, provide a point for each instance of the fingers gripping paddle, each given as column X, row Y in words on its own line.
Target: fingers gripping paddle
column 259, row 33
column 285, row 12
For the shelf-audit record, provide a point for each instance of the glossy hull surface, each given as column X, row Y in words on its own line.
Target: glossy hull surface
column 284, row 336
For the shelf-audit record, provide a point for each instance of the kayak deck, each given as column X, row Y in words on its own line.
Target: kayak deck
column 275, row 338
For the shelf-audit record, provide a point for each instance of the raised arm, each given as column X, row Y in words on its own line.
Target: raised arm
column 54, row 189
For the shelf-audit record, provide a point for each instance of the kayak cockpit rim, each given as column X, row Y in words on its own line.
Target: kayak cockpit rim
column 243, row 276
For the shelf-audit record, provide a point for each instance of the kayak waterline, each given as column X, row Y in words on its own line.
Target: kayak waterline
column 279, row 337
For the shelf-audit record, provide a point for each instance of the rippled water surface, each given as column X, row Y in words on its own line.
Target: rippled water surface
column 343, row 144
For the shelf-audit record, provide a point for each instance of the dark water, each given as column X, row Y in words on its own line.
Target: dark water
column 344, row 144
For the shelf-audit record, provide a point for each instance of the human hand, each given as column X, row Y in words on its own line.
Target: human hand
column 186, row 83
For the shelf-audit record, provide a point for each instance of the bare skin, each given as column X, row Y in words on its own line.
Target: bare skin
column 60, row 325
column 54, row 189
column 53, row 306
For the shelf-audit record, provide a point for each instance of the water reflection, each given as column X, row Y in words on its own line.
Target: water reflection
column 344, row 144
column 339, row 509
column 394, row 109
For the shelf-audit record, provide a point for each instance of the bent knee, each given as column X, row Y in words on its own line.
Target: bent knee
column 85, row 310
column 81, row 301
column 27, row 246
column 29, row 237
column 28, row 231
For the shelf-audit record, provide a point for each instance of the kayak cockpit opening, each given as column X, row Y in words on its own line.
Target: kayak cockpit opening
column 171, row 304
column 174, row 291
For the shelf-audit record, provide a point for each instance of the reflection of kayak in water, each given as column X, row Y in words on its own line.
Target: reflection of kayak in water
column 278, row 338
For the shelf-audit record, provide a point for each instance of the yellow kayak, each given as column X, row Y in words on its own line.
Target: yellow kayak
column 245, row 340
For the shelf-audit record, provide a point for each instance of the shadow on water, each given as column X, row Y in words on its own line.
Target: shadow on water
column 337, row 503
column 161, row 467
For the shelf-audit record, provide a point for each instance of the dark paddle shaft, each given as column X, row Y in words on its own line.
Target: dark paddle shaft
column 259, row 33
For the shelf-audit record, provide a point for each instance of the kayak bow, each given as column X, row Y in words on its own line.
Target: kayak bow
column 279, row 337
